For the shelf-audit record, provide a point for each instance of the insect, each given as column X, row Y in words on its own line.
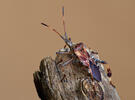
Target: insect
column 79, row 51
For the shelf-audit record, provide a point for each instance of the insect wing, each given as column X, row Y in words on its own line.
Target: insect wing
column 95, row 71
column 83, row 59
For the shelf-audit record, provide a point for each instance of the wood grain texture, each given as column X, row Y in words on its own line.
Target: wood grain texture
column 56, row 82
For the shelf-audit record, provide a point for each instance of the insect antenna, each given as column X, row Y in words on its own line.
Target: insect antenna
column 64, row 24
column 54, row 30
column 66, row 39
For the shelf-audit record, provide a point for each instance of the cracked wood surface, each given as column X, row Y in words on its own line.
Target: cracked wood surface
column 56, row 82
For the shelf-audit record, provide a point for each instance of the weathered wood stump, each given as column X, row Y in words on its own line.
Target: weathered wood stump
column 71, row 82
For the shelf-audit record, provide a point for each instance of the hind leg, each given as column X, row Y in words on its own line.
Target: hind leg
column 109, row 74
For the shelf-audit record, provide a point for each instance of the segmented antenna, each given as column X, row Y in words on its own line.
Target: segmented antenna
column 54, row 30
column 66, row 39
column 64, row 24
column 44, row 24
column 63, row 19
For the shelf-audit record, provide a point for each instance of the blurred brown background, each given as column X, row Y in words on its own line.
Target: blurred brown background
column 104, row 25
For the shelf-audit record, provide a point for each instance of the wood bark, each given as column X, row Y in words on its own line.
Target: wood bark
column 56, row 82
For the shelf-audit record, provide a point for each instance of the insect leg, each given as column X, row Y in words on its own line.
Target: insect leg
column 109, row 74
column 63, row 77
column 67, row 62
column 66, row 53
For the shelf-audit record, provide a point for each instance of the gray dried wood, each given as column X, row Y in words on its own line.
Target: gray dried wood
column 56, row 82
